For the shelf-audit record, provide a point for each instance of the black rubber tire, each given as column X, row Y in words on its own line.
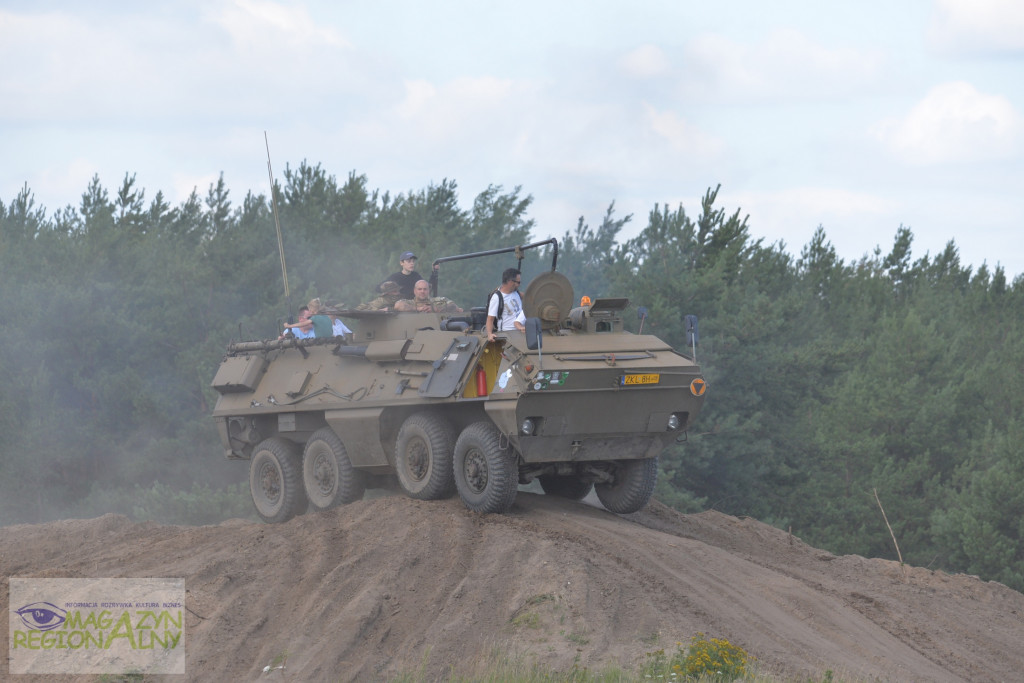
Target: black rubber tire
column 486, row 474
column 632, row 488
column 423, row 456
column 327, row 474
column 275, row 480
column 569, row 487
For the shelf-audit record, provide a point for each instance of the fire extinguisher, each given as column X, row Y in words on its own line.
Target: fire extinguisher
column 481, row 381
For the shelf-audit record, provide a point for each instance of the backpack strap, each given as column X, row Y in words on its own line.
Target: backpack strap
column 501, row 305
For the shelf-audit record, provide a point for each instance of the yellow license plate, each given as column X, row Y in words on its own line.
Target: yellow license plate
column 628, row 380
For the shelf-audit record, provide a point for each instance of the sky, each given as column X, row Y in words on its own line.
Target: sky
column 857, row 117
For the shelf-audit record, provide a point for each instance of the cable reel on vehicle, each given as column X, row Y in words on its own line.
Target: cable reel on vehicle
column 548, row 297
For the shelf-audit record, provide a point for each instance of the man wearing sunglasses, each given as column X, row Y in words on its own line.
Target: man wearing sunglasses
column 505, row 306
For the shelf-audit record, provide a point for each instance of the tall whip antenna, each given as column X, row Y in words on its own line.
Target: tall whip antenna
column 277, row 222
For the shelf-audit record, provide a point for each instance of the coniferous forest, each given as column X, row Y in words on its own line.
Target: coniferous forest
column 836, row 389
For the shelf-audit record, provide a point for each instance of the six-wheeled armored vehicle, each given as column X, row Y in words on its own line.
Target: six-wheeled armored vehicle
column 576, row 402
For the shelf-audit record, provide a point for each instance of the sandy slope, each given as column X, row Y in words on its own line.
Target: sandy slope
column 394, row 584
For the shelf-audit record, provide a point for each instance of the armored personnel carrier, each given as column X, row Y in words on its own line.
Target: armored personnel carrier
column 576, row 402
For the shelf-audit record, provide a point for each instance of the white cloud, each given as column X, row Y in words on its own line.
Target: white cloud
column 254, row 24
column 185, row 184
column 69, row 180
column 646, row 61
column 854, row 222
column 785, row 65
column 215, row 60
column 464, row 107
column 824, row 202
column 591, row 106
column 419, row 95
column 978, row 26
column 59, row 58
column 953, row 123
column 681, row 135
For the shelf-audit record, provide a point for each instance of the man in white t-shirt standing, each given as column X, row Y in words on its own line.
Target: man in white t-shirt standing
column 506, row 309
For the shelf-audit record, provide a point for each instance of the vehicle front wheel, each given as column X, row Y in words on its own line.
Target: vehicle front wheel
column 275, row 480
column 632, row 487
column 423, row 457
column 486, row 474
column 327, row 473
column 569, row 487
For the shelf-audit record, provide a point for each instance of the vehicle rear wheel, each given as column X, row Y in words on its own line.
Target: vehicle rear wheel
column 570, row 487
column 275, row 480
column 632, row 488
column 423, row 456
column 485, row 473
column 327, row 473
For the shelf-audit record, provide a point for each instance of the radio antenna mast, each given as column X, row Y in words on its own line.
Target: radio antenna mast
column 277, row 223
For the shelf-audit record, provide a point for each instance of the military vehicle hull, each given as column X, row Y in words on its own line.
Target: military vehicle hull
column 426, row 397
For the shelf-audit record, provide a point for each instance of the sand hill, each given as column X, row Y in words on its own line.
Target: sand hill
column 392, row 584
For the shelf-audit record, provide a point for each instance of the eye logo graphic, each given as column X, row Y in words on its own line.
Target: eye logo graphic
column 41, row 616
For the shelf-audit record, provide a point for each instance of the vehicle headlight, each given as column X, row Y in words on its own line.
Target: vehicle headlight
column 528, row 426
column 673, row 422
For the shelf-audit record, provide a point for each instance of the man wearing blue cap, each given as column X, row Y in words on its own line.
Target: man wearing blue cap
column 408, row 277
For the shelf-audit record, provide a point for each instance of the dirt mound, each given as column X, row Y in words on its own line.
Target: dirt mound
column 394, row 584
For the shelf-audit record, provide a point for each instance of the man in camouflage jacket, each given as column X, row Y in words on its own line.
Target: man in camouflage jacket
column 424, row 303
column 390, row 294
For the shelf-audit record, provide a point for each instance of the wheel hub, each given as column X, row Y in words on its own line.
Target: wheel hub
column 270, row 482
column 417, row 459
column 323, row 472
column 476, row 471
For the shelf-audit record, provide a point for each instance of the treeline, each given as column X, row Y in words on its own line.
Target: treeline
column 836, row 389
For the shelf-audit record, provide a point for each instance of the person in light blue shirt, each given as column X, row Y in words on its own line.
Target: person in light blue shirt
column 340, row 328
column 303, row 329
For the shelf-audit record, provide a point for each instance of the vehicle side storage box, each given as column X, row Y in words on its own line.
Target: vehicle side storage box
column 238, row 374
